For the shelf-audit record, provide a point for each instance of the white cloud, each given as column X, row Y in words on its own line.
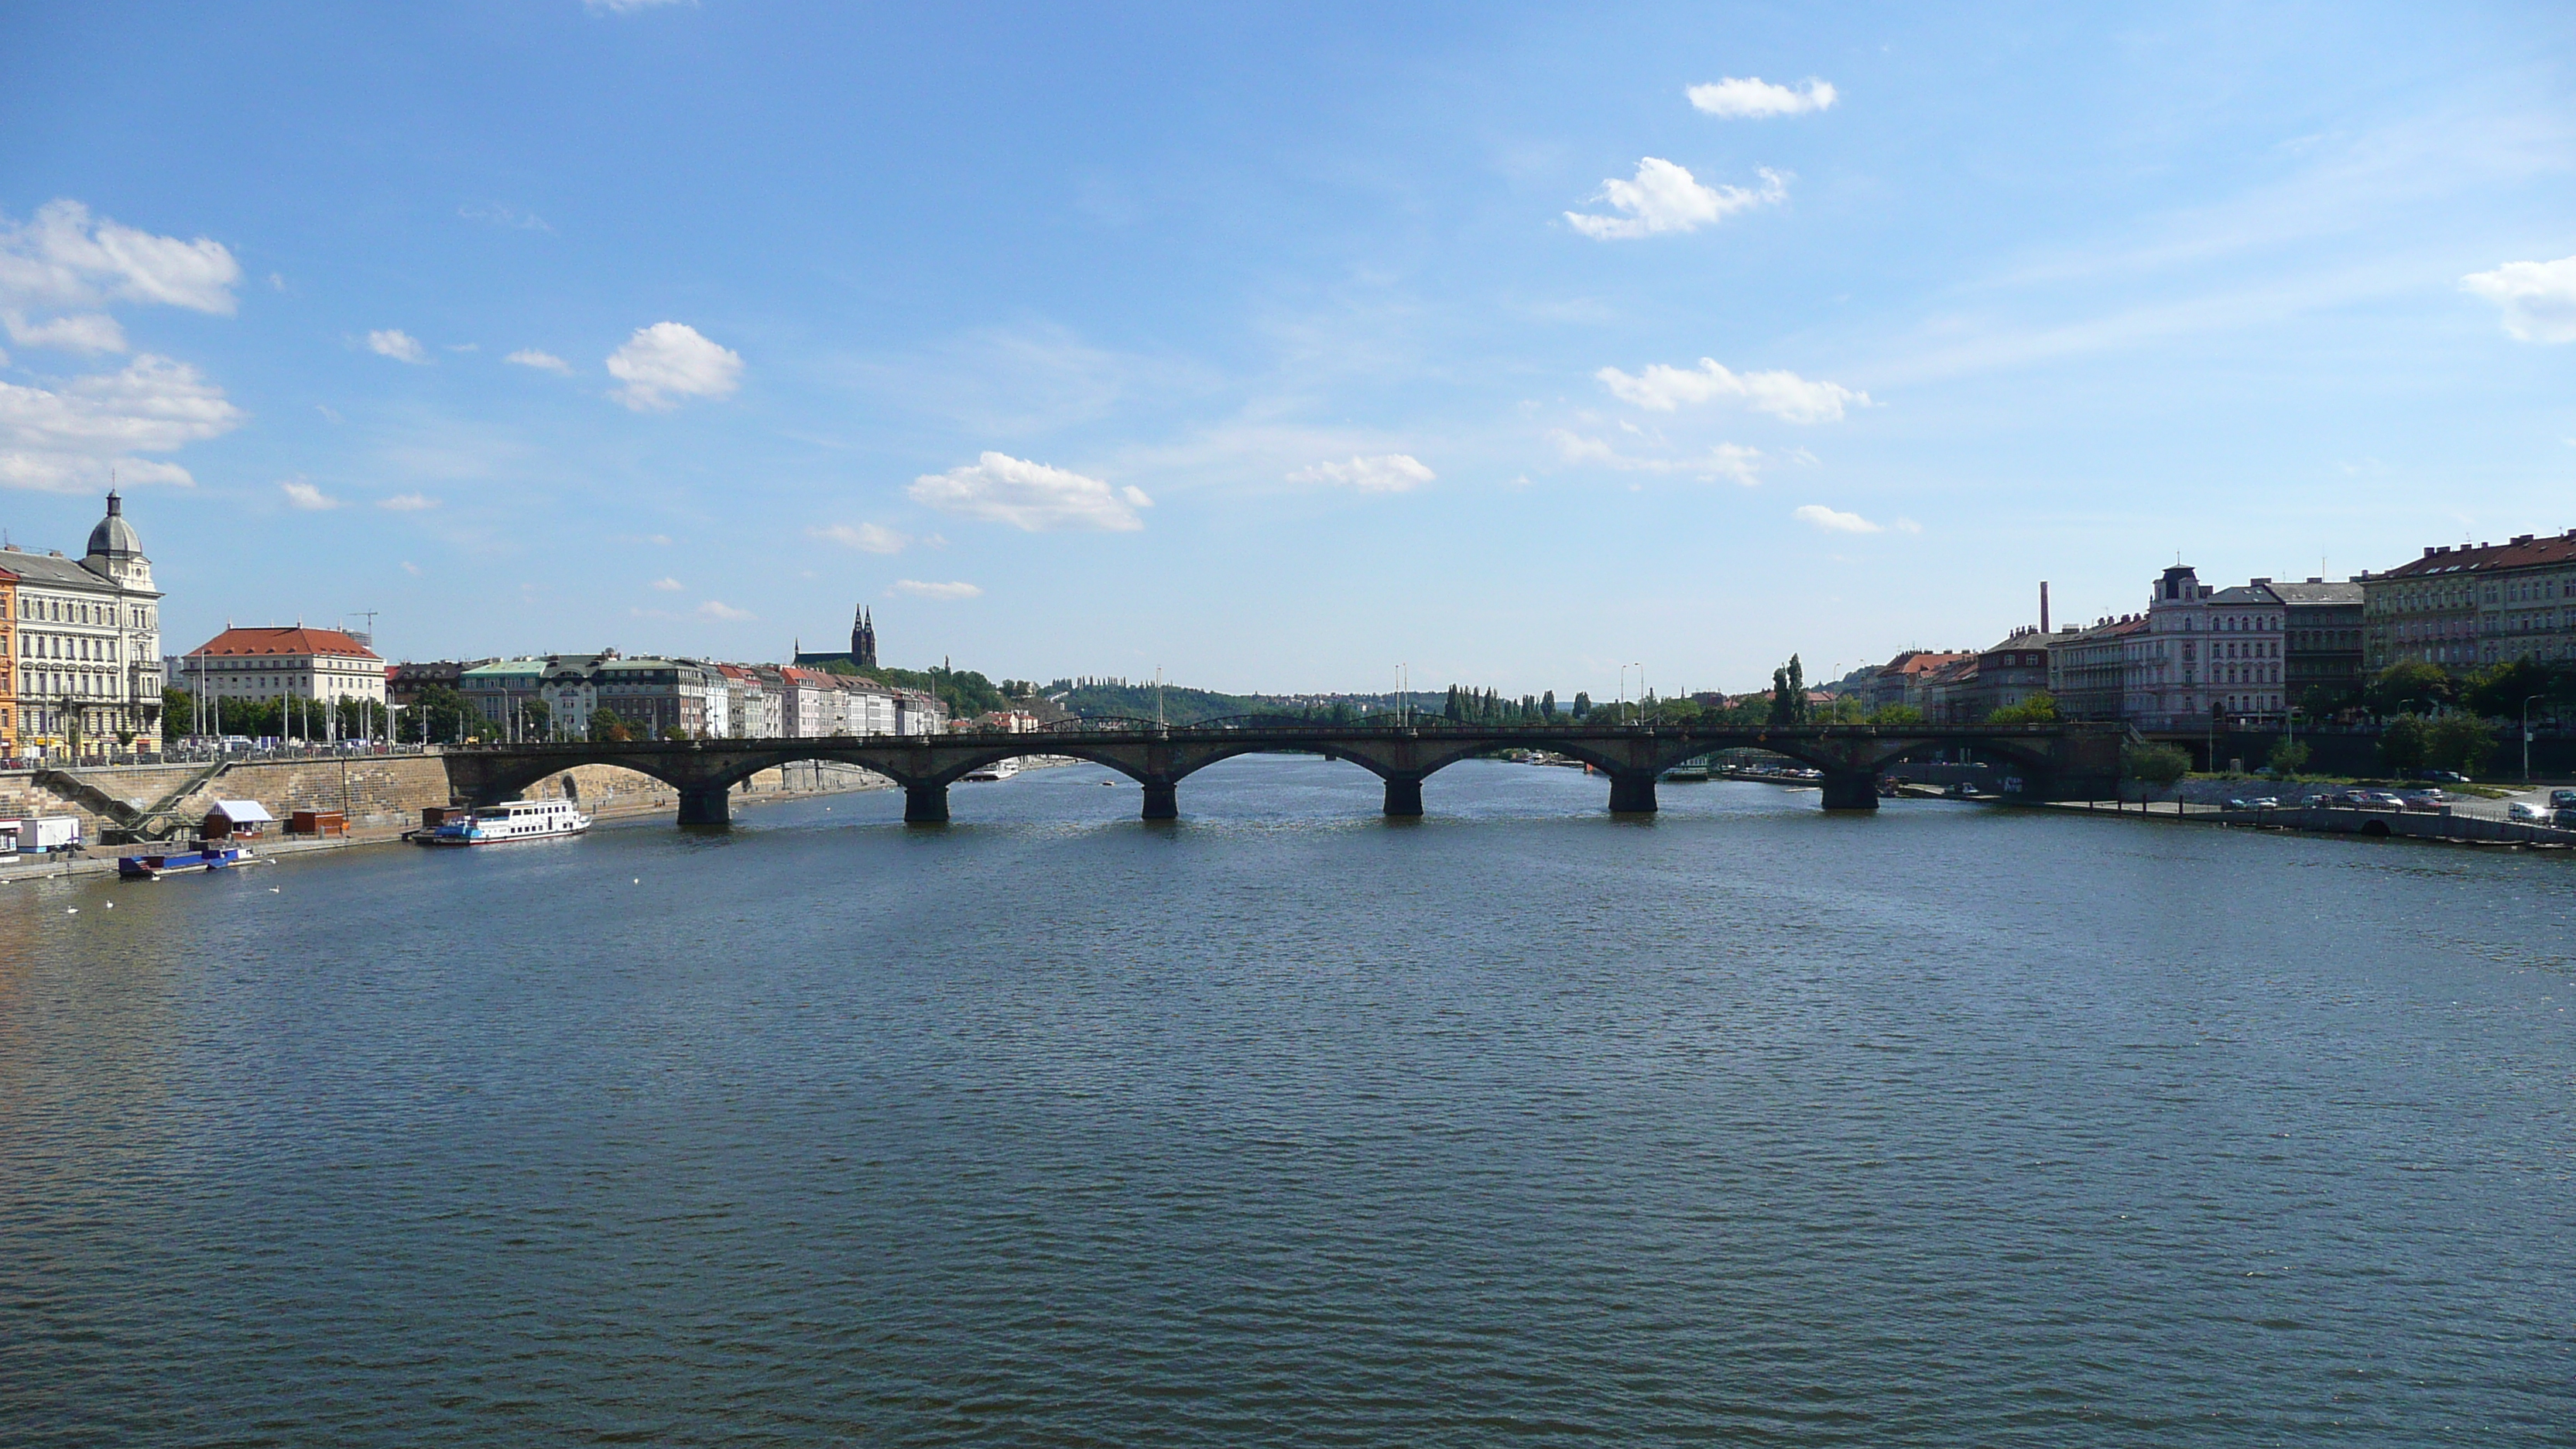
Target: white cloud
column 1664, row 197
column 1834, row 522
column 67, row 440
column 64, row 258
column 507, row 217
column 300, row 494
column 717, row 609
column 1032, row 496
column 79, row 332
column 1784, row 395
column 411, row 568
column 667, row 362
column 865, row 537
column 397, row 344
column 2538, row 298
column 1752, row 98
column 542, row 361
column 1386, row 473
column 920, row 590
column 1730, row 461
column 669, row 586
column 407, row 502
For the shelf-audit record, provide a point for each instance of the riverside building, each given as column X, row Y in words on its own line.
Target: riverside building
column 2204, row 652
column 2461, row 606
column 86, row 638
column 321, row 666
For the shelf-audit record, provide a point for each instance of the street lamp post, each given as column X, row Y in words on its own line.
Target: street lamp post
column 2526, row 737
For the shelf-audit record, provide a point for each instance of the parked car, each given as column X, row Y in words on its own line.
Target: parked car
column 2562, row 799
column 2264, row 802
column 2529, row 812
column 2447, row 777
column 2566, row 819
column 2325, row 802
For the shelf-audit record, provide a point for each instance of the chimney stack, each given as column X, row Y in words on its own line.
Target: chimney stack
column 2043, row 606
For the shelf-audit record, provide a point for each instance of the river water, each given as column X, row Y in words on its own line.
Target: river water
column 1289, row 1124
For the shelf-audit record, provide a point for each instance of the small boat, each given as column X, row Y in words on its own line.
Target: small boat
column 204, row 857
column 515, row 820
column 996, row 771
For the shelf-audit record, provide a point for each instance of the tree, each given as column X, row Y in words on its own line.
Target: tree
column 1582, row 706
column 2408, row 684
column 1789, row 693
column 605, row 725
column 2288, row 757
column 2459, row 742
column 447, row 713
column 1547, row 706
column 2040, row 707
column 2402, row 742
column 2498, row 690
column 2323, row 701
column 2155, row 764
column 1896, row 714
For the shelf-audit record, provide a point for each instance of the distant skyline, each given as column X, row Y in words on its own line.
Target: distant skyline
column 1275, row 347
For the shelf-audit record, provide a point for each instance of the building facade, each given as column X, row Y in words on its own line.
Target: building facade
column 651, row 696
column 2007, row 674
column 2464, row 606
column 2205, row 653
column 324, row 666
column 8, row 664
column 1902, row 680
column 2087, row 668
column 2322, row 660
column 87, row 642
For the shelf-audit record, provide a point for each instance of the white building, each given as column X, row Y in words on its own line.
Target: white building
column 322, row 665
column 2204, row 652
column 88, row 643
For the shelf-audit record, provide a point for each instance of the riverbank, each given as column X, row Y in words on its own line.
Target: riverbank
column 608, row 806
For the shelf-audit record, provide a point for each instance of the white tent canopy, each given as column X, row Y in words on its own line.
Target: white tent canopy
column 243, row 812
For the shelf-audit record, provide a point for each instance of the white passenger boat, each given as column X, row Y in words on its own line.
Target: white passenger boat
column 515, row 820
column 998, row 770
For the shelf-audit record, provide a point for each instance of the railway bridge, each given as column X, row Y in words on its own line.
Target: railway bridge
column 2045, row 762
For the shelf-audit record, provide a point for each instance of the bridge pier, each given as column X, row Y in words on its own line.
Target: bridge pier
column 925, row 804
column 712, row 806
column 1632, row 792
column 1851, row 789
column 1404, row 795
column 1162, row 800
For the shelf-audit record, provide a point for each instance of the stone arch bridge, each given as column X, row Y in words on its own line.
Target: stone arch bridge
column 2052, row 761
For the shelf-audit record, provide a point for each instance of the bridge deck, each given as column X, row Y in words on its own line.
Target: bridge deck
column 2041, row 761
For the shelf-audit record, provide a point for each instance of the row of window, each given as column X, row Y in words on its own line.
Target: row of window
column 75, row 611
column 66, row 646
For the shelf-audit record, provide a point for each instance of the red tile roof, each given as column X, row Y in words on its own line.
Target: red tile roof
column 264, row 642
column 2523, row 552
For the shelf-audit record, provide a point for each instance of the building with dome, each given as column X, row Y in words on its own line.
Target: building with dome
column 85, row 642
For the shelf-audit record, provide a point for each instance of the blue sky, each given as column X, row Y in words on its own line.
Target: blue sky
column 1276, row 347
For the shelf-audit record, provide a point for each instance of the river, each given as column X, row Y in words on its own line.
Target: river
column 1290, row 1124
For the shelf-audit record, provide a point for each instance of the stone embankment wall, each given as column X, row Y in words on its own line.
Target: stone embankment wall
column 372, row 790
column 376, row 792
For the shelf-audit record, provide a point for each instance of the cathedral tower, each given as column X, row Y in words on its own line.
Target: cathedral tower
column 863, row 640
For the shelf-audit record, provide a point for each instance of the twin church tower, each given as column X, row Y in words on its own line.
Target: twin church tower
column 863, row 645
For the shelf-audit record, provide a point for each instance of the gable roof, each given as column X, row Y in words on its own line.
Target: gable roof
column 2527, row 551
column 265, row 642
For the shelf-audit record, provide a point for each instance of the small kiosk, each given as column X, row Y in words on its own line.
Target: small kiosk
column 235, row 820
